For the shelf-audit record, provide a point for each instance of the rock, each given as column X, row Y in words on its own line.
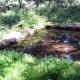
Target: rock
column 39, row 27
column 12, row 40
column 70, row 25
column 62, row 25
column 31, row 32
column 50, row 24
column 3, row 44
column 18, row 36
column 12, row 35
column 78, row 25
column 23, row 36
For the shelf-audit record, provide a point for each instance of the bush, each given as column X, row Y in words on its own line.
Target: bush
column 60, row 14
column 19, row 66
column 44, row 10
column 10, row 18
column 74, row 12
column 30, row 18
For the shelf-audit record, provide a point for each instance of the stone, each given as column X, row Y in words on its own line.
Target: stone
column 50, row 24
column 12, row 40
column 39, row 27
column 3, row 44
column 31, row 32
column 12, row 35
column 19, row 36
column 70, row 25
column 78, row 25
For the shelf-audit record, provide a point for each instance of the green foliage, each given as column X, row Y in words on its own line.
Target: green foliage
column 10, row 18
column 30, row 18
column 60, row 11
column 0, row 18
column 59, row 14
column 19, row 66
column 74, row 12
column 21, row 19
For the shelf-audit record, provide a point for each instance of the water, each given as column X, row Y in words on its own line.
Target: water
column 68, row 57
column 57, row 43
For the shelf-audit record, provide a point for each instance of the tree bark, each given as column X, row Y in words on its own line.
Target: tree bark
column 37, row 3
column 49, row 2
column 20, row 4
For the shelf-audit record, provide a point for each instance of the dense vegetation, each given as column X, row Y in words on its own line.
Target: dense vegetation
column 19, row 66
column 31, row 12
column 22, row 14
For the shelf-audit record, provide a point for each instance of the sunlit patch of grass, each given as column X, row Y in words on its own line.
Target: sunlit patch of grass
column 19, row 66
column 12, row 64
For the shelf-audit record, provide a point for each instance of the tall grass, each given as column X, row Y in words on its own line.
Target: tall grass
column 19, row 66
column 30, row 18
column 10, row 18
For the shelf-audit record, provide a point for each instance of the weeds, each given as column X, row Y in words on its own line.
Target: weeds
column 21, row 66
column 10, row 18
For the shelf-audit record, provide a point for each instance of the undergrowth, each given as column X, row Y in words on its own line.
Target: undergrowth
column 19, row 66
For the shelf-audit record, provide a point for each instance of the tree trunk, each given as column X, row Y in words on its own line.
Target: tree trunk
column 49, row 2
column 20, row 4
column 37, row 3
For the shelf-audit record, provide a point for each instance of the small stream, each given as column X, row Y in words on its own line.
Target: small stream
column 47, row 43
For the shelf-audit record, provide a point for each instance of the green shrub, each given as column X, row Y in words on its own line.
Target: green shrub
column 10, row 18
column 44, row 10
column 19, row 66
column 74, row 12
column 30, row 18
column 59, row 13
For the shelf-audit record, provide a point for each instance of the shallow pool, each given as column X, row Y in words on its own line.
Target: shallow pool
column 48, row 43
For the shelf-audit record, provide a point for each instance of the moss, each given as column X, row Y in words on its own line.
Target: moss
column 33, row 39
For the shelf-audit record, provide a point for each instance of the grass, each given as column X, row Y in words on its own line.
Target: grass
column 19, row 66
column 18, row 21
column 34, row 39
